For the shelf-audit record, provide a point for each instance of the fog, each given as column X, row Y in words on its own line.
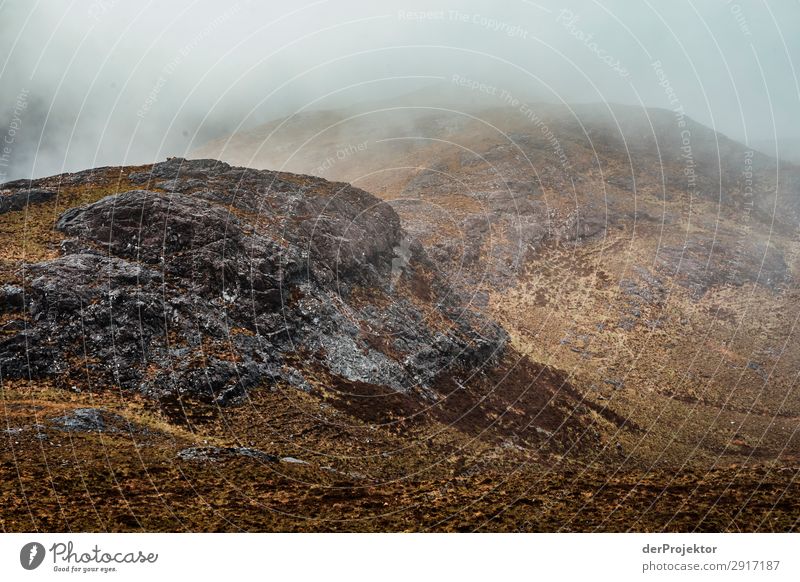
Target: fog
column 84, row 84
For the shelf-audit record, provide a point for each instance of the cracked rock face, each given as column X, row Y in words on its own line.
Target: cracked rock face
column 211, row 280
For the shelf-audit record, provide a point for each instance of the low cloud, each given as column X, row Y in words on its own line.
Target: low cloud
column 110, row 82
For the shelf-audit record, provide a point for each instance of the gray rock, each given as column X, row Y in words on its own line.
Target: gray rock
column 11, row 298
column 222, row 453
column 293, row 461
column 250, row 281
column 88, row 420
column 19, row 199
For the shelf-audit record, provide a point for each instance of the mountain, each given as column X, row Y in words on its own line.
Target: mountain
column 649, row 257
column 517, row 318
column 787, row 148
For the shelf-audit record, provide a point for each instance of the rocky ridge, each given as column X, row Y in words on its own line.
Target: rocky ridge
column 211, row 280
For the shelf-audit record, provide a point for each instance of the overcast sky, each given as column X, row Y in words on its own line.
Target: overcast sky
column 102, row 82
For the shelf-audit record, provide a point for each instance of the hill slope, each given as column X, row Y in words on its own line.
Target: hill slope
column 652, row 259
column 539, row 323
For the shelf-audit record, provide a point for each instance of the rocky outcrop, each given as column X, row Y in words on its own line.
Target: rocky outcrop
column 211, row 280
column 13, row 199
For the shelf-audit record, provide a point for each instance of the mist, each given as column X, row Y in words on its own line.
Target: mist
column 111, row 83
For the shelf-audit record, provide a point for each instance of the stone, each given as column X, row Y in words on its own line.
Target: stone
column 257, row 279
column 19, row 199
